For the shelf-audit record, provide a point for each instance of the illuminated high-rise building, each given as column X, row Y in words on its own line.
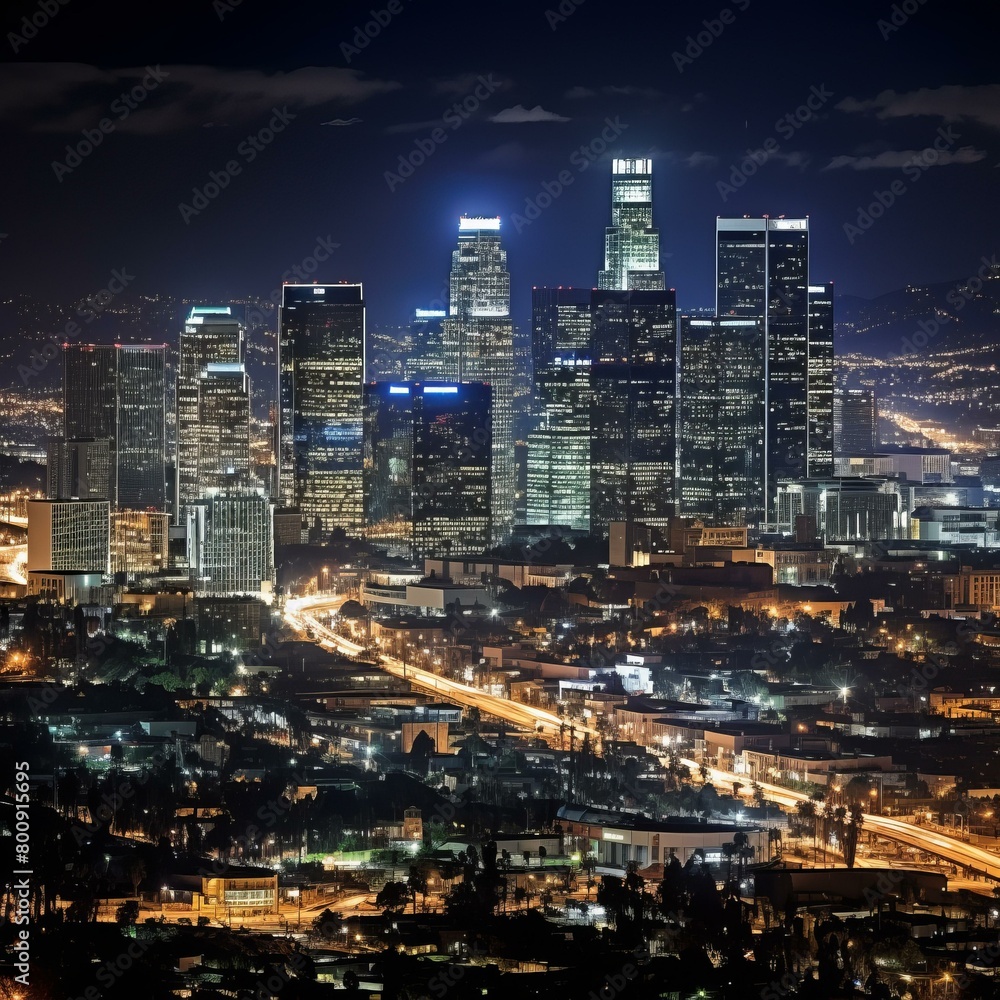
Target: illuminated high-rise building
column 633, row 416
column 855, row 422
column 819, row 446
column 428, row 468
column 321, row 353
column 631, row 243
column 211, row 336
column 763, row 273
column 230, row 544
column 116, row 393
column 558, row 473
column 478, row 346
column 223, row 428
column 722, row 421
column 558, row 453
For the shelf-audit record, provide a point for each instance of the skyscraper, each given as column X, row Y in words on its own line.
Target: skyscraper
column 478, row 344
column 762, row 273
column 558, row 458
column 633, row 417
column 140, row 442
column 321, row 348
column 819, row 453
column 230, row 544
column 855, row 422
column 116, row 393
column 428, row 462
column 722, row 421
column 223, row 458
column 631, row 243
column 558, row 475
column 211, row 335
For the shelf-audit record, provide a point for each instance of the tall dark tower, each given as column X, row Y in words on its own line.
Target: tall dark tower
column 428, row 468
column 321, row 348
column 116, row 393
column 762, row 273
column 633, row 417
column 722, row 421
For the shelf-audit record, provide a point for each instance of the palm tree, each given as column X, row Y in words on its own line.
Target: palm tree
column 807, row 810
column 851, row 834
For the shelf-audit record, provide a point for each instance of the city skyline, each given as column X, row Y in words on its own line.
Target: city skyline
column 907, row 118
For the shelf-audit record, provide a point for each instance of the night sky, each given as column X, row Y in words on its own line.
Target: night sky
column 548, row 84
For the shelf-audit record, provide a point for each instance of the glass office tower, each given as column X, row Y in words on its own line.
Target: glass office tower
column 117, row 393
column 722, row 421
column 211, row 335
column 633, row 418
column 321, row 348
column 558, row 452
column 428, row 468
column 478, row 346
column 762, row 273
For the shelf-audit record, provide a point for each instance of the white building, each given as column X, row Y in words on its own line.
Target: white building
column 230, row 545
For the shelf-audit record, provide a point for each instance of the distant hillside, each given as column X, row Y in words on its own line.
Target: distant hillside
column 950, row 315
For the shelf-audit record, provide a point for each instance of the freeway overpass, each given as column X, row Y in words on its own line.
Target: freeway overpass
column 303, row 613
column 955, row 851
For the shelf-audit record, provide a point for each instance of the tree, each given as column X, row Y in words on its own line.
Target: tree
column 807, row 810
column 393, row 897
column 136, row 871
column 328, row 923
column 128, row 913
column 851, row 834
column 417, row 882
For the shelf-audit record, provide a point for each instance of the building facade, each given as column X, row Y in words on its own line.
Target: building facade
column 478, row 346
column 321, row 374
column 762, row 272
column 230, row 545
column 633, row 416
column 68, row 536
column 117, row 393
column 428, row 468
column 722, row 421
column 211, row 336
column 631, row 243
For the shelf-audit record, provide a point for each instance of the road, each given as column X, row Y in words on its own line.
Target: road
column 940, row 845
column 304, row 613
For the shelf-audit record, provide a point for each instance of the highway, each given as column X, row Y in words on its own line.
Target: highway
column 303, row 613
column 942, row 846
